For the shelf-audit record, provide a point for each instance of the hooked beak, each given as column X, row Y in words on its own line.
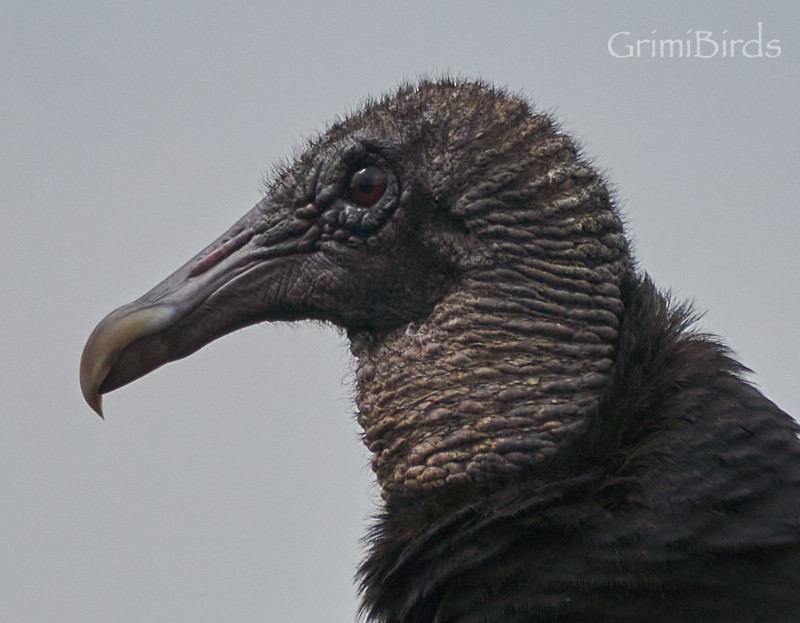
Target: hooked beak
column 229, row 285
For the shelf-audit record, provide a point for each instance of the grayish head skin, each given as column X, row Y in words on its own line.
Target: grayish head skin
column 479, row 284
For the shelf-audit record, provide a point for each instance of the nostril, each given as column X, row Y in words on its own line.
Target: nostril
column 220, row 253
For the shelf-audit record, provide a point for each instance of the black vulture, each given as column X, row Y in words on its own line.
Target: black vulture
column 554, row 439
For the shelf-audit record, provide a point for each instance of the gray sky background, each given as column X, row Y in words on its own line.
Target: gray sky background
column 232, row 486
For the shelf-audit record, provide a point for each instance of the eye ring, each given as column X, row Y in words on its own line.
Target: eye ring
column 367, row 185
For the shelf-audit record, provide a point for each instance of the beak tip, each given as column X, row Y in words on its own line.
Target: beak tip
column 92, row 397
column 90, row 379
column 97, row 406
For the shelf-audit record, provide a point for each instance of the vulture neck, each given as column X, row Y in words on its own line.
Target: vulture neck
column 502, row 372
column 513, row 362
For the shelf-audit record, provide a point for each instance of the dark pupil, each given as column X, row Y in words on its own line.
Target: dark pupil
column 367, row 185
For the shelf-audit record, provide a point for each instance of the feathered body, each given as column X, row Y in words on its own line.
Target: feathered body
column 553, row 441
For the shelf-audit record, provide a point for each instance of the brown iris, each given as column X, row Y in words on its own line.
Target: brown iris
column 367, row 185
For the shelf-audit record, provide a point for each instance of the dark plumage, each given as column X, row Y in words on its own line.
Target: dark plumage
column 554, row 441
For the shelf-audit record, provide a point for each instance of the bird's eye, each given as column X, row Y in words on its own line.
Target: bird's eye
column 367, row 185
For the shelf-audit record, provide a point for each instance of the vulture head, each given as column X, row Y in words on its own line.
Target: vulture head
column 473, row 258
